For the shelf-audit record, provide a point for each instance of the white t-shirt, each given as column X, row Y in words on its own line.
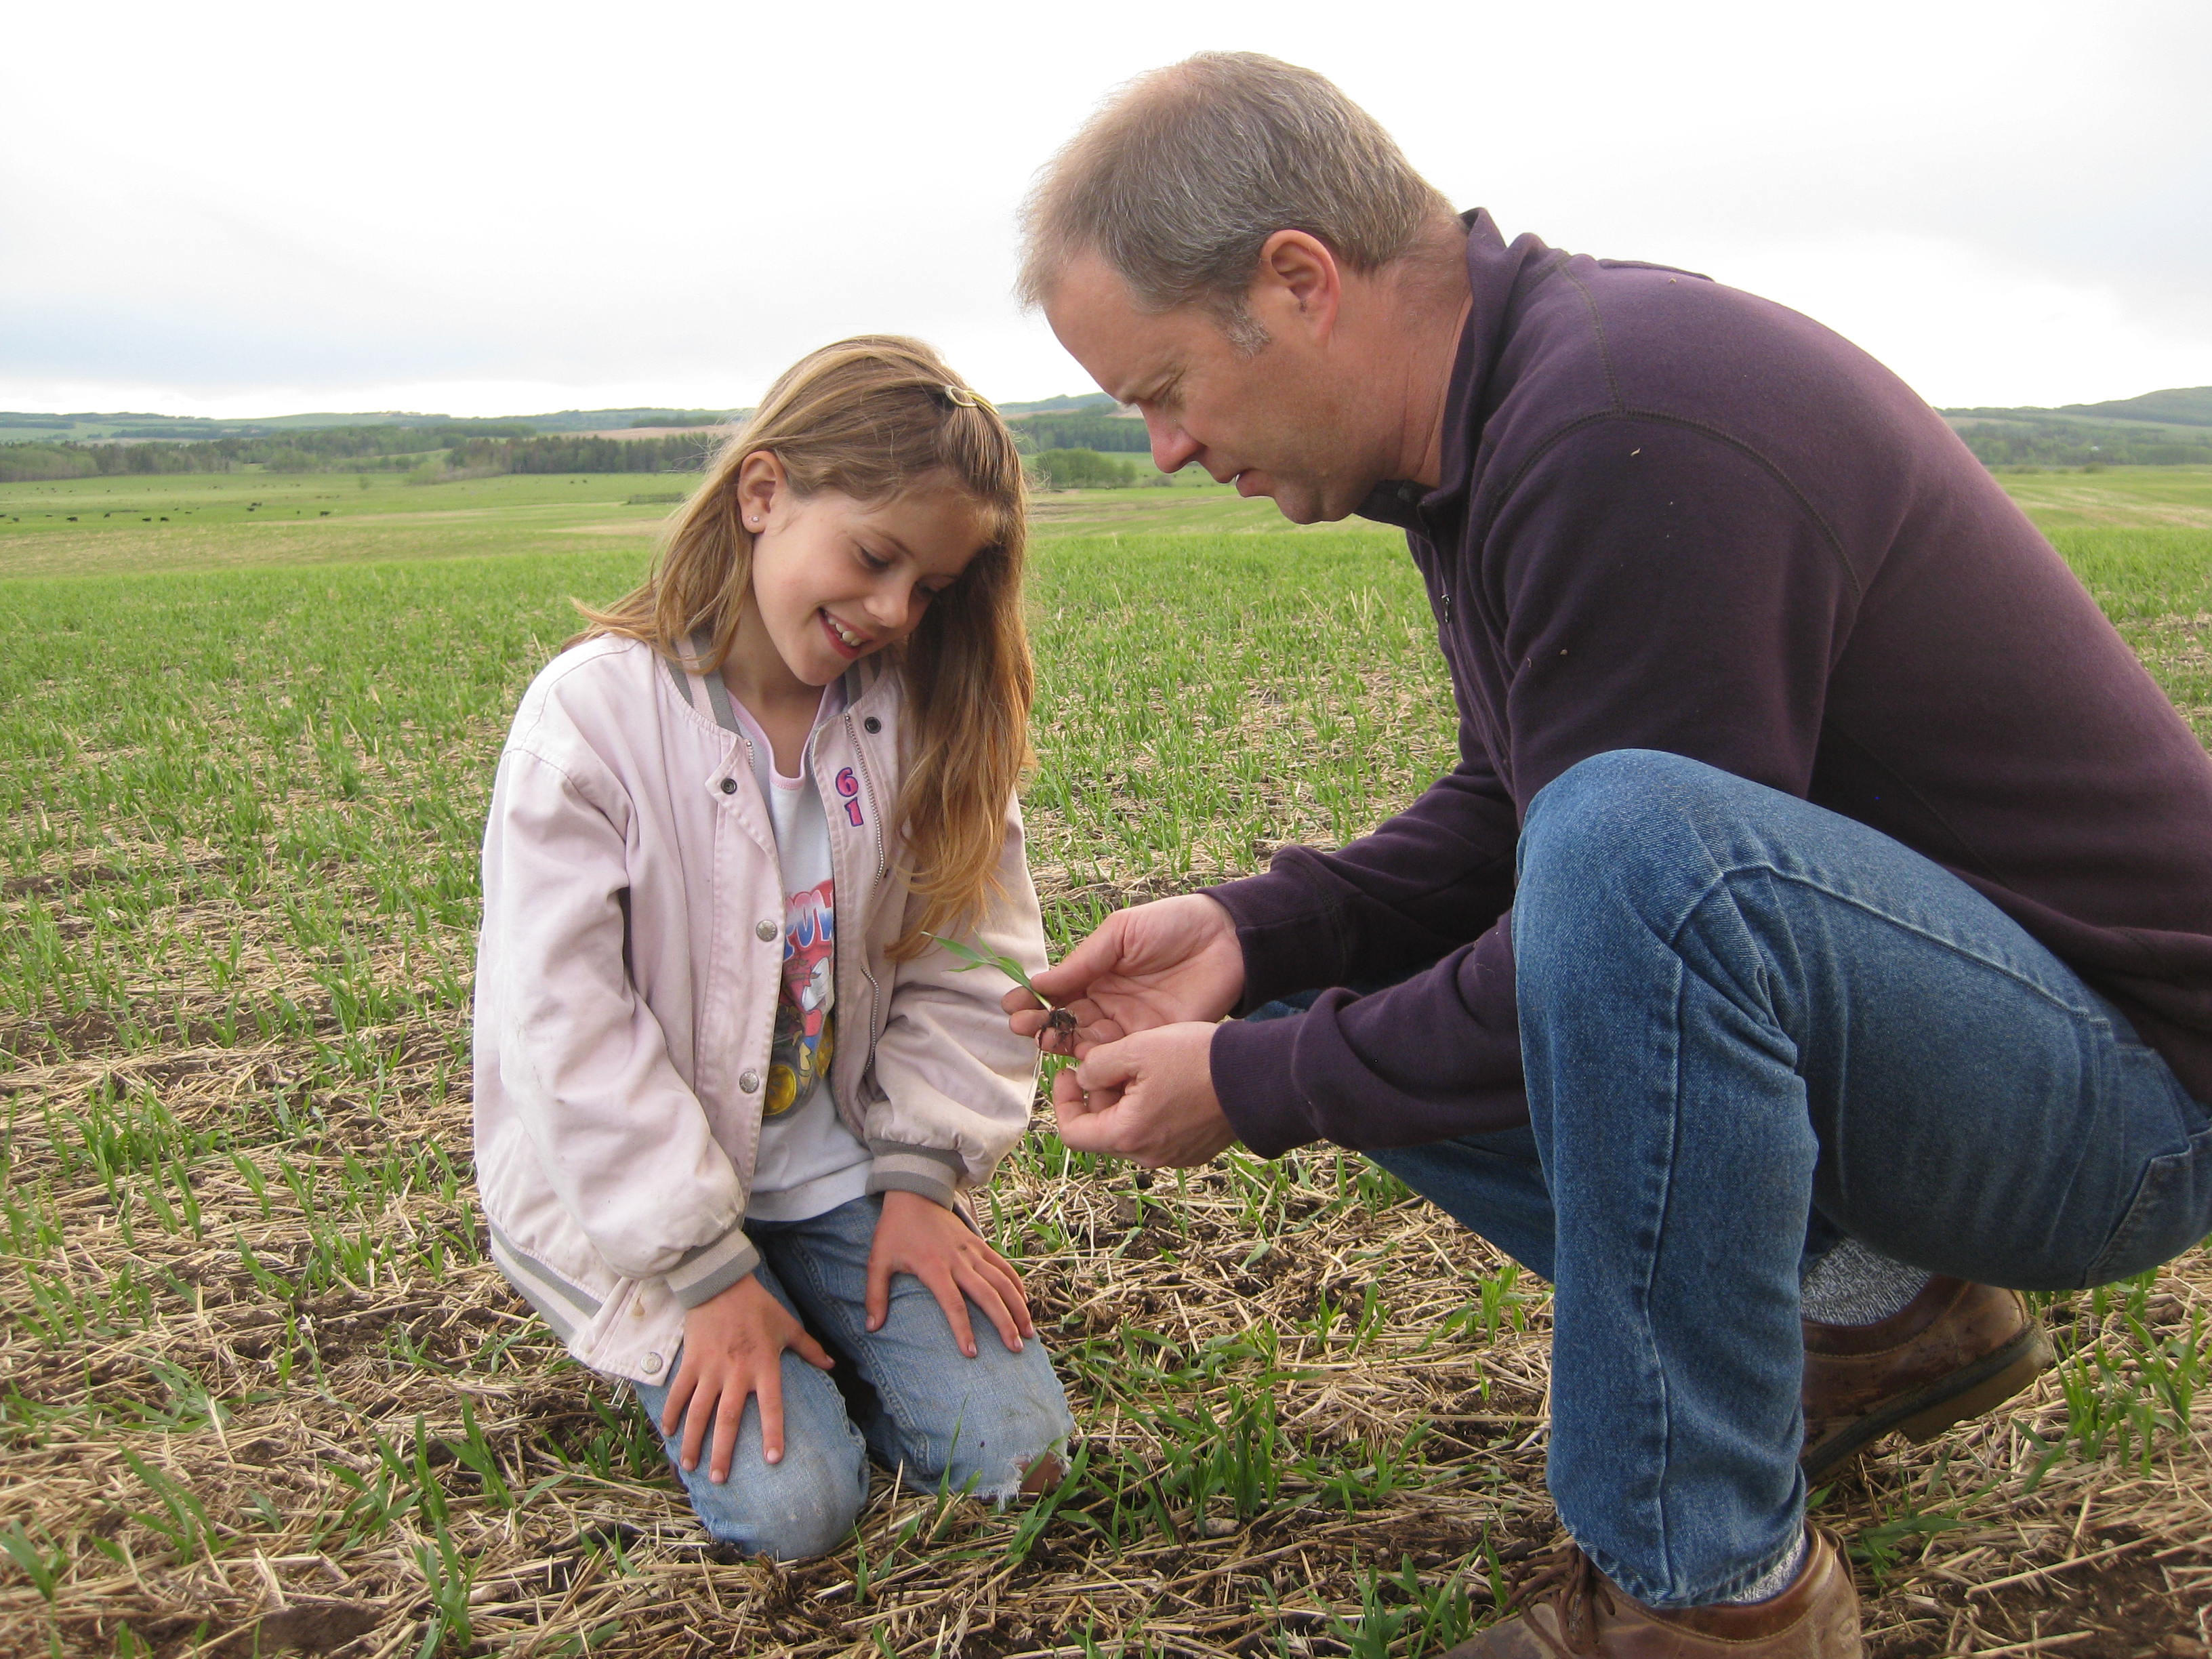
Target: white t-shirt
column 810, row 1162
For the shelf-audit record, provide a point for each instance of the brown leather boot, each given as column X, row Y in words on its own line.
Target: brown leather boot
column 1952, row 1353
column 1572, row 1608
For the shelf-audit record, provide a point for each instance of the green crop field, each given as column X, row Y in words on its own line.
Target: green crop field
column 260, row 1386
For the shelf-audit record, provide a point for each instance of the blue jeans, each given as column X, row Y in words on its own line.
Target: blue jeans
column 1750, row 1026
column 927, row 1406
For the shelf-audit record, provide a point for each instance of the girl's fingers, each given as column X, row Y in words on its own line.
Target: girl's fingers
column 879, row 1304
column 804, row 1345
column 729, row 1415
column 1010, row 1288
column 991, row 1296
column 698, row 1413
column 949, row 1298
column 768, row 1390
column 992, row 1258
column 1008, row 1284
column 679, row 1391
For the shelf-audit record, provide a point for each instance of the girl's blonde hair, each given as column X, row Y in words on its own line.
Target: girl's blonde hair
column 868, row 418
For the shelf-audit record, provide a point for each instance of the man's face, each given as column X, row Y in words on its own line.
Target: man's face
column 1268, row 421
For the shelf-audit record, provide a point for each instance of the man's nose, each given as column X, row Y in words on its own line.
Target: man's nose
column 1172, row 449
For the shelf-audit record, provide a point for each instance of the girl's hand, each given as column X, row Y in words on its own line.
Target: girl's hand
column 733, row 1348
column 917, row 1237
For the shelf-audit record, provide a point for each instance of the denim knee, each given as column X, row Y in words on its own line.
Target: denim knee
column 1598, row 804
column 994, row 1447
column 801, row 1507
column 794, row 1510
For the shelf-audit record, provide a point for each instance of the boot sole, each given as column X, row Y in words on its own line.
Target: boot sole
column 1926, row 1413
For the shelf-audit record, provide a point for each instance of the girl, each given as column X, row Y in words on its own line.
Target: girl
column 731, row 1096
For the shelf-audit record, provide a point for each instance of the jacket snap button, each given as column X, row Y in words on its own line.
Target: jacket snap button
column 749, row 1082
column 653, row 1365
column 872, row 724
column 764, row 930
column 729, row 785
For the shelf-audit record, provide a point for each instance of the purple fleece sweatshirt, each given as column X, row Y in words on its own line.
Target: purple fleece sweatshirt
column 1678, row 517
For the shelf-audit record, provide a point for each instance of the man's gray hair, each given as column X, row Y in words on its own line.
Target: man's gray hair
column 1182, row 176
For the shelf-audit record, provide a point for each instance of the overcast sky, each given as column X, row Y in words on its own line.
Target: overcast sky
column 235, row 210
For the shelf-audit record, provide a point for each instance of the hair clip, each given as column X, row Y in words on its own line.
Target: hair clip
column 962, row 395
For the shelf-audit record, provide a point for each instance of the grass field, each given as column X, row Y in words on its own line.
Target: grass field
column 260, row 1386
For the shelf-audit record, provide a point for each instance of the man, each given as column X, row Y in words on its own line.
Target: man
column 1817, row 930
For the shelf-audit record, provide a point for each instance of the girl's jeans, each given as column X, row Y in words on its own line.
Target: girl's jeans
column 927, row 1406
column 1750, row 1025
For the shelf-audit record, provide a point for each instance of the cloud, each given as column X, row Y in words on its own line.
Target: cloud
column 247, row 202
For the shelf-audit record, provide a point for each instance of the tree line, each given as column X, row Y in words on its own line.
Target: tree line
column 1082, row 468
column 2055, row 443
column 504, row 448
column 1041, row 433
column 326, row 449
column 685, row 453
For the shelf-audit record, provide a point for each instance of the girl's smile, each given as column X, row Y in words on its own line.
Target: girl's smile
column 851, row 641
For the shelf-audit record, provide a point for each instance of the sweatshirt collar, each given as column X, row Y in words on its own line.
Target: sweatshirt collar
column 1494, row 272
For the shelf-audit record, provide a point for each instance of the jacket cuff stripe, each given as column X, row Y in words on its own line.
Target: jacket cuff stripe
column 706, row 1272
column 563, row 1306
column 930, row 1171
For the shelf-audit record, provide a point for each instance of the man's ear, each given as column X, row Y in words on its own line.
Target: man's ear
column 1296, row 286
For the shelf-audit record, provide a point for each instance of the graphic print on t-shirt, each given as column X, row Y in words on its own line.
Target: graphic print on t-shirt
column 804, row 1039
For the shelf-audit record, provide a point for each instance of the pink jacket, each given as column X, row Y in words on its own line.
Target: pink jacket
column 626, row 984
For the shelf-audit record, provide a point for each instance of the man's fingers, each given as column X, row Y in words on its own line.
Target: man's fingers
column 1109, row 1066
column 1072, row 974
column 1020, row 1001
column 1087, row 1128
column 1093, row 1030
column 1074, row 1028
column 1070, row 1099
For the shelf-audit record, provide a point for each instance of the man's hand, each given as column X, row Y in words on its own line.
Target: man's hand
column 916, row 1237
column 1149, row 1098
column 1167, row 963
column 733, row 1348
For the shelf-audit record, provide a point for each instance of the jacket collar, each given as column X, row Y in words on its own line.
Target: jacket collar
column 870, row 686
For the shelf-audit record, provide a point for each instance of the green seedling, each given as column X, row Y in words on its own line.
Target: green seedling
column 449, row 1575
column 1403, row 1615
column 42, row 1568
column 1058, row 1020
column 183, row 1522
